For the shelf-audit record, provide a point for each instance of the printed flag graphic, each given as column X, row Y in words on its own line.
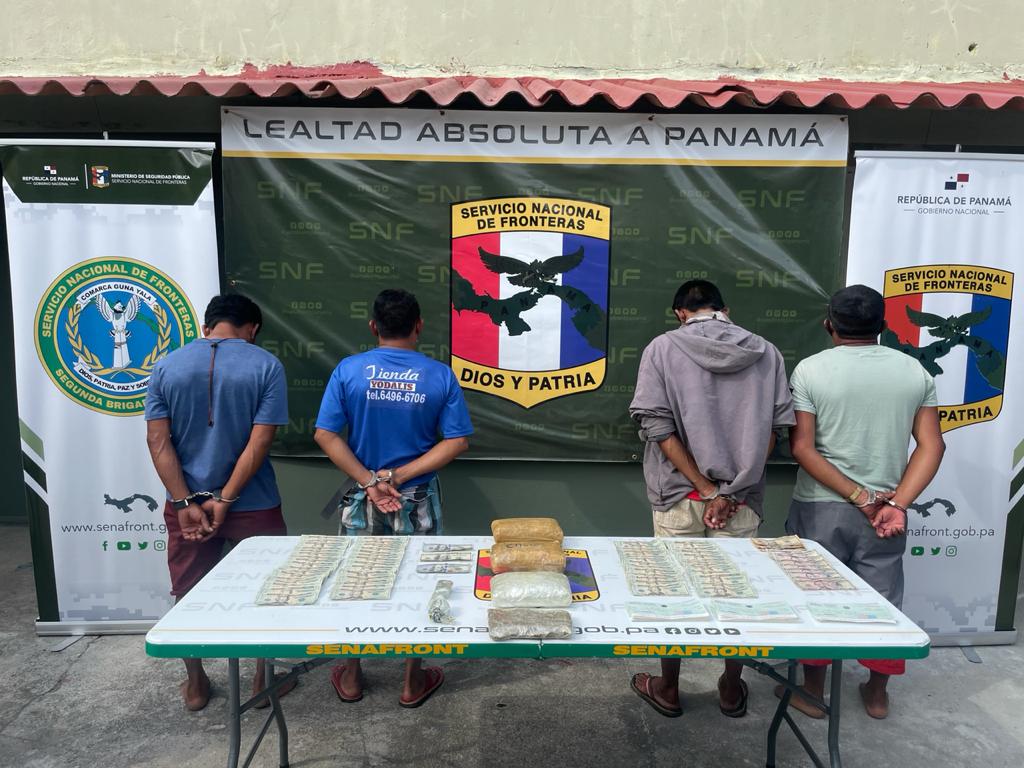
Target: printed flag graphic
column 955, row 319
column 530, row 297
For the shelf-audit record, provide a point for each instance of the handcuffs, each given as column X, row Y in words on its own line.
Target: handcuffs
column 198, row 497
column 378, row 477
column 718, row 495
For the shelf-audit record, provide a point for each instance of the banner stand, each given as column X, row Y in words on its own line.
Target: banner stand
column 938, row 234
column 112, row 246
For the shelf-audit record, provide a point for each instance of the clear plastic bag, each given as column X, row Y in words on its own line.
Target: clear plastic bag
column 439, row 607
column 528, row 624
column 527, row 529
column 527, row 556
column 530, row 590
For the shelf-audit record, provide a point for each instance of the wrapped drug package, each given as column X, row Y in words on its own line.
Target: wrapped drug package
column 526, row 529
column 528, row 624
column 530, row 590
column 527, row 556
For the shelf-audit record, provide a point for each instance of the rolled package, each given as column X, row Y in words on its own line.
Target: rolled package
column 526, row 529
column 528, row 624
column 530, row 590
column 527, row 556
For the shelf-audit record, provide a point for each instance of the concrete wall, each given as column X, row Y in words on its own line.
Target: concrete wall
column 942, row 40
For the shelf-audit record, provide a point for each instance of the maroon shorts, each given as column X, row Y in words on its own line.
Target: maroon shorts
column 189, row 561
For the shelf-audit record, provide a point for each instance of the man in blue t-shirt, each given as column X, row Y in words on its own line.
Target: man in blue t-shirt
column 212, row 409
column 406, row 418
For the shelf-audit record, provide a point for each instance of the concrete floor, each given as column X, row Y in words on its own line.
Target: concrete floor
column 103, row 702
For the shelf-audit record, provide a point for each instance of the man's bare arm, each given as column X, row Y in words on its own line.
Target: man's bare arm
column 165, row 458
column 249, row 462
column 442, row 454
column 384, row 496
column 677, row 453
column 252, row 456
column 926, row 458
column 801, row 442
column 194, row 524
column 337, row 450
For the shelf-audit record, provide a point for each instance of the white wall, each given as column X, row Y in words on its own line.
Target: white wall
column 684, row 39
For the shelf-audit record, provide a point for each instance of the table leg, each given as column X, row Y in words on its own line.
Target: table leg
column 780, row 711
column 833, row 713
column 234, row 715
column 278, row 712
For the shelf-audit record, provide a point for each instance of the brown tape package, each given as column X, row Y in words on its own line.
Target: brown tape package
column 527, row 529
column 527, row 556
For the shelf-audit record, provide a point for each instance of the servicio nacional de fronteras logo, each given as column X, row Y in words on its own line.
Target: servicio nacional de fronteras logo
column 529, row 297
column 955, row 320
column 102, row 326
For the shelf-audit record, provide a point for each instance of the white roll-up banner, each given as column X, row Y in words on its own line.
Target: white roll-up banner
column 113, row 256
column 939, row 235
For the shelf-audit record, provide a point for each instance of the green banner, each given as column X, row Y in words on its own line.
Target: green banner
column 545, row 267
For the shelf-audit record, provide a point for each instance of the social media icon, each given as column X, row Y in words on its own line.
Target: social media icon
column 950, row 551
column 159, row 545
column 105, row 543
column 916, row 551
column 124, row 546
column 142, row 544
column 936, row 550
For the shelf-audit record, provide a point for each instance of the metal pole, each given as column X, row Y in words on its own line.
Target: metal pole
column 275, row 703
column 234, row 715
column 773, row 729
column 833, row 713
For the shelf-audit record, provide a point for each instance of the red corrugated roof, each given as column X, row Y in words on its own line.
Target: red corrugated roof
column 358, row 80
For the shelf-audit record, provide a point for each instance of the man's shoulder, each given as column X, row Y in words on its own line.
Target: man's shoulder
column 261, row 355
column 816, row 361
column 180, row 356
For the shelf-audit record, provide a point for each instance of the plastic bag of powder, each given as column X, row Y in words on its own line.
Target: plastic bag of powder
column 530, row 590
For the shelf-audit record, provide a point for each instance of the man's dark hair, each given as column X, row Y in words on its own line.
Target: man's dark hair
column 857, row 312
column 233, row 308
column 395, row 312
column 698, row 294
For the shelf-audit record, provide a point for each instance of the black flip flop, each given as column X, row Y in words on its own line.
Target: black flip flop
column 740, row 709
column 428, row 691
column 644, row 693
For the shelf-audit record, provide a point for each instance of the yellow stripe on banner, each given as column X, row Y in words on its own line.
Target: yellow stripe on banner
column 283, row 155
column 949, row 278
column 529, row 388
column 531, row 214
column 954, row 416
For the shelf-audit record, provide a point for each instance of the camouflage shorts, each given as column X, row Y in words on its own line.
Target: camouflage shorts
column 420, row 513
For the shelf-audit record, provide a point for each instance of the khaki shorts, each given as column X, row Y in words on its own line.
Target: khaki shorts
column 686, row 519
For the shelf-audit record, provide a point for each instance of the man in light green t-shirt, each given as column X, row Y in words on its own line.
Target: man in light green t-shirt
column 857, row 407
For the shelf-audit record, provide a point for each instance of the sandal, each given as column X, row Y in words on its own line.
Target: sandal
column 643, row 690
column 336, row 682
column 741, row 708
column 435, row 678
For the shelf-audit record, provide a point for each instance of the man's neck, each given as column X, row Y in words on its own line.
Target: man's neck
column 407, row 343
column 839, row 341
column 223, row 331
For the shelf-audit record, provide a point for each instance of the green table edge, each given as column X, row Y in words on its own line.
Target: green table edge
column 541, row 650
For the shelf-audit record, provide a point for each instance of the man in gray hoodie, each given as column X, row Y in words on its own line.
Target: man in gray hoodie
column 709, row 399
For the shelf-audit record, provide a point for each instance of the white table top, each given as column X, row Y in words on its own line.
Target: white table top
column 219, row 619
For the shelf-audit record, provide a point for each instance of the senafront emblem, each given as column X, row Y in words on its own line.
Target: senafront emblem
column 955, row 320
column 529, row 297
column 102, row 326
